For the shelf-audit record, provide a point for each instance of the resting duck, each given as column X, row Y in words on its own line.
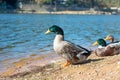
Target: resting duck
column 106, row 50
column 72, row 53
column 111, row 39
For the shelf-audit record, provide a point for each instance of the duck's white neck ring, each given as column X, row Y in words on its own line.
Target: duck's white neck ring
column 59, row 38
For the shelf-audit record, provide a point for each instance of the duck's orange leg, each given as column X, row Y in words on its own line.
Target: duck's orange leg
column 67, row 63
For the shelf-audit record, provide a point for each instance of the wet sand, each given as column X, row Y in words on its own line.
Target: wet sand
column 23, row 65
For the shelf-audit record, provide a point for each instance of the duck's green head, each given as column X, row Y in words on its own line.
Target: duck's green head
column 100, row 42
column 55, row 29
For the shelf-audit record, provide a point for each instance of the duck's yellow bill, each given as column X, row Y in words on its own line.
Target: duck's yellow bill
column 106, row 38
column 47, row 32
column 94, row 44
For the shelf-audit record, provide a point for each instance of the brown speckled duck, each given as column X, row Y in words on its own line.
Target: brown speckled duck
column 106, row 50
column 72, row 53
column 111, row 39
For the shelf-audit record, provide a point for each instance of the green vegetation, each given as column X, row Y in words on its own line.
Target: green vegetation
column 85, row 3
column 61, row 5
column 103, row 5
column 46, row 1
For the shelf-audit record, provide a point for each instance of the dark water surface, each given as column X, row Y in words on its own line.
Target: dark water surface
column 23, row 34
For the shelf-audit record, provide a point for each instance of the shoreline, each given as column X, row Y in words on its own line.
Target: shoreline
column 86, row 12
column 17, row 66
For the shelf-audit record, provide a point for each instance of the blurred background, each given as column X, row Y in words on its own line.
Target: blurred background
column 112, row 6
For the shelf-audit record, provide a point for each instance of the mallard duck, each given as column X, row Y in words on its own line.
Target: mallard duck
column 106, row 50
column 72, row 53
column 111, row 39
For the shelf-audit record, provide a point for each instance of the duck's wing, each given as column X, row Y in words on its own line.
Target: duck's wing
column 116, row 42
column 104, row 51
column 84, row 48
column 116, row 47
column 79, row 46
column 73, row 50
column 113, row 42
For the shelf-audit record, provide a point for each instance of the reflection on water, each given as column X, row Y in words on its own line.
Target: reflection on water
column 23, row 34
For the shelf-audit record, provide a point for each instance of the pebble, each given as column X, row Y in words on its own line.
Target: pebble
column 53, row 61
column 118, row 65
column 80, row 72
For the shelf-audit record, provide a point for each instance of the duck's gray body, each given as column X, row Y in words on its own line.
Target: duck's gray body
column 69, row 51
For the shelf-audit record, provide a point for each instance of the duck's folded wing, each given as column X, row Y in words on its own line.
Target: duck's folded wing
column 100, row 51
column 115, row 47
column 71, row 50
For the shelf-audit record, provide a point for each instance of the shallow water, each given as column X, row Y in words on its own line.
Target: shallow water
column 23, row 34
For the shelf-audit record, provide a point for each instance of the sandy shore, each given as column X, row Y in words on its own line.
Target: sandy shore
column 37, row 68
column 88, row 12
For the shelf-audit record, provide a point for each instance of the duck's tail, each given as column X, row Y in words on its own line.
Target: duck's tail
column 87, row 52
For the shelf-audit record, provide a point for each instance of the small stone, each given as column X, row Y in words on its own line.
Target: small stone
column 119, row 63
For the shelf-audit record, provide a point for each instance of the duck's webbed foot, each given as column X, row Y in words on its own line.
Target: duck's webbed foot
column 67, row 63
